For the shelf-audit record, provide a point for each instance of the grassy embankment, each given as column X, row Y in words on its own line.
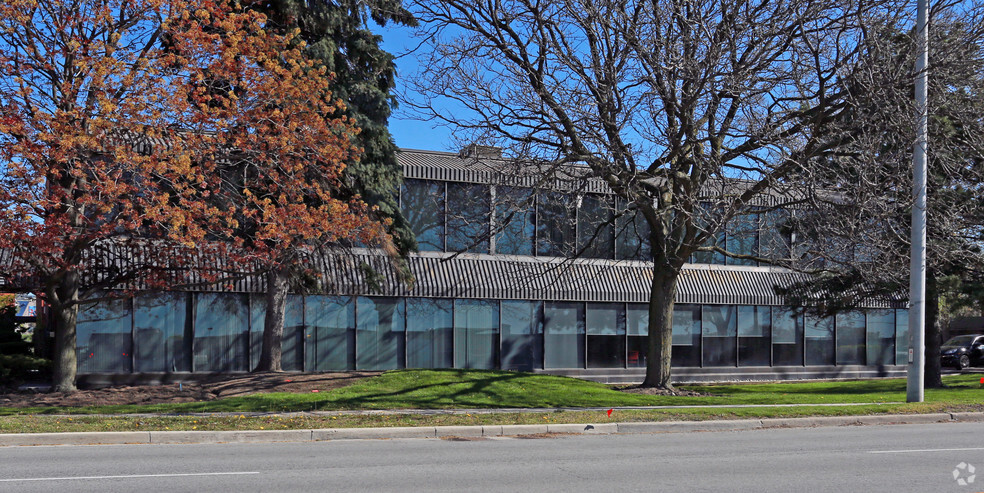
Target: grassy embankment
column 471, row 389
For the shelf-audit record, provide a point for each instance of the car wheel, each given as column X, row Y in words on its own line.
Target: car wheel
column 964, row 361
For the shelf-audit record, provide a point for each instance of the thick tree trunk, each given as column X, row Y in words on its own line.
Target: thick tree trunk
column 273, row 323
column 659, row 353
column 932, row 378
column 65, row 312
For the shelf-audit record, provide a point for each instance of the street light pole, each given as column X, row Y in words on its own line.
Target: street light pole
column 917, row 276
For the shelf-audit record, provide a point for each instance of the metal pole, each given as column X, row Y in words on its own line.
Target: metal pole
column 917, row 279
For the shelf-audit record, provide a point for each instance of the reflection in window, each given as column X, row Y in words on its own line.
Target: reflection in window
column 819, row 336
column 429, row 336
column 902, row 336
column 775, row 237
column 686, row 335
column 563, row 334
column 330, row 322
column 514, row 221
column 292, row 345
column 595, row 227
column 103, row 337
column 379, row 334
column 422, row 204
column 706, row 216
column 787, row 337
column 881, row 337
column 554, row 225
column 742, row 238
column 632, row 240
column 605, row 323
column 719, row 325
column 637, row 327
column 163, row 335
column 522, row 335
column 476, row 327
column 468, row 217
column 754, row 335
column 221, row 332
column 850, row 338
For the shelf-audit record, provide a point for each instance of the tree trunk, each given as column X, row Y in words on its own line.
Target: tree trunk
column 932, row 378
column 660, row 340
column 273, row 323
column 65, row 311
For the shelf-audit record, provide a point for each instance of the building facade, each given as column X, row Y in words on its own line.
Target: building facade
column 510, row 275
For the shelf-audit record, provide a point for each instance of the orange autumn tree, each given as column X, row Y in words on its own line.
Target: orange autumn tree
column 157, row 127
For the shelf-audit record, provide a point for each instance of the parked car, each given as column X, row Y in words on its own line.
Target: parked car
column 962, row 351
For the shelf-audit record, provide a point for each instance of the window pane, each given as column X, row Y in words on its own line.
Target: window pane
column 850, row 338
column 819, row 335
column 707, row 216
column 554, row 225
column 476, row 327
column 775, row 239
column 292, row 345
column 902, row 336
column 163, row 335
column 632, row 240
column 637, row 322
column 881, row 337
column 596, row 227
column 469, row 209
column 422, row 203
column 743, row 238
column 787, row 337
column 330, row 324
column 221, row 332
column 754, row 331
column 563, row 326
column 514, row 219
column 522, row 335
column 103, row 337
column 686, row 335
column 605, row 324
column 379, row 334
column 429, row 336
column 720, row 326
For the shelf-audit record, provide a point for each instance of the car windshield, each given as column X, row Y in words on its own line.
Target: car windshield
column 960, row 341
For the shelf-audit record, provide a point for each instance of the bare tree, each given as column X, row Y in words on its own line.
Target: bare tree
column 690, row 112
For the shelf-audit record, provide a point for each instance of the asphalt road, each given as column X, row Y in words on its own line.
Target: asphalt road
column 850, row 459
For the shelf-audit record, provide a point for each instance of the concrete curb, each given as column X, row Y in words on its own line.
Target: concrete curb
column 267, row 436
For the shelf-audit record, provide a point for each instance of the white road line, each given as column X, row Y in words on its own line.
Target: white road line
column 131, row 476
column 912, row 451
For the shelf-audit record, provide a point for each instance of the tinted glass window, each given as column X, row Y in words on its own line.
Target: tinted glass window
column 103, row 337
column 881, row 337
column 686, row 335
column 742, row 238
column 476, row 331
column 221, row 332
column 719, row 324
column 850, row 338
column 429, row 333
column 605, row 324
column 554, row 225
column 563, row 327
column 380, row 334
column 163, row 335
column 514, row 221
column 596, row 227
column 330, row 324
column 819, row 334
column 469, row 209
column 522, row 335
column 422, row 203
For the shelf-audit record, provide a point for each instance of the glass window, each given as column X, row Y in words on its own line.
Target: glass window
column 850, row 338
column 469, row 210
column 476, row 330
column 605, row 325
column 706, row 216
column 720, row 326
column 221, row 332
column 819, row 336
column 422, row 203
column 379, row 338
column 554, row 225
column 787, row 337
column 292, row 344
column 103, row 337
column 429, row 333
column 163, row 335
column 596, row 227
column 522, row 335
column 881, row 337
column 902, row 336
column 775, row 239
column 632, row 235
column 754, row 335
column 686, row 335
column 637, row 325
column 563, row 328
column 514, row 221
column 742, row 238
column 330, row 322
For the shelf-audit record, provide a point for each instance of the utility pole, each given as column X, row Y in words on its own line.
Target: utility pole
column 917, row 276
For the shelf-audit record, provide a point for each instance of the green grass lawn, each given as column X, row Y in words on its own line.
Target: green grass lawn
column 465, row 389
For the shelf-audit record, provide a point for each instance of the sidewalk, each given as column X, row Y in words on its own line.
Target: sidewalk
column 489, row 431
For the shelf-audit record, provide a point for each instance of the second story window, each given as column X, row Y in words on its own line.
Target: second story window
column 469, row 211
column 422, row 203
